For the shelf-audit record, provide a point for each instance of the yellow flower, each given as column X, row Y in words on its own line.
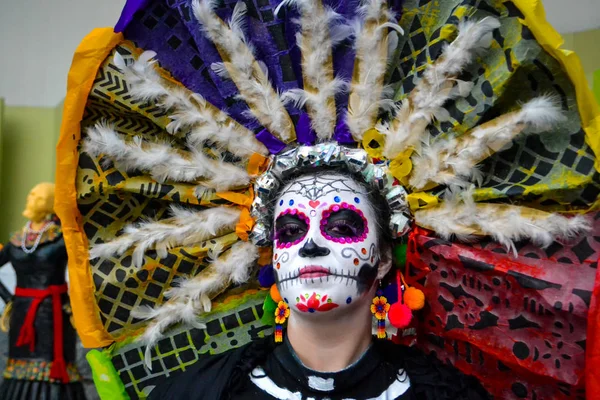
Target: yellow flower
column 401, row 166
column 282, row 312
column 373, row 143
column 380, row 307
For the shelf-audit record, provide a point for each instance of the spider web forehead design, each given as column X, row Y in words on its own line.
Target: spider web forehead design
column 315, row 187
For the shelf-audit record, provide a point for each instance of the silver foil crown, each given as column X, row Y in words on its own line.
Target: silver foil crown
column 332, row 155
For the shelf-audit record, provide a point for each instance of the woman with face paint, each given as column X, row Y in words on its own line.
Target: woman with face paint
column 323, row 199
column 331, row 248
column 331, row 251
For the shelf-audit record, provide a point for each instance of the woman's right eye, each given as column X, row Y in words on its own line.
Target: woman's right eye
column 290, row 232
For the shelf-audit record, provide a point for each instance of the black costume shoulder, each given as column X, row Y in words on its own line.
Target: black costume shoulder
column 218, row 377
column 430, row 379
column 208, row 379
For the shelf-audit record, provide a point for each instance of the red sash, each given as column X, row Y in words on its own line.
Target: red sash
column 58, row 370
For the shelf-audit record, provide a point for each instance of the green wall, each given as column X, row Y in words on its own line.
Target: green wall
column 585, row 44
column 27, row 157
column 597, row 85
column 1, row 126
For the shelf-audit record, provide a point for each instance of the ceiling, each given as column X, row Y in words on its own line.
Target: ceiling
column 569, row 16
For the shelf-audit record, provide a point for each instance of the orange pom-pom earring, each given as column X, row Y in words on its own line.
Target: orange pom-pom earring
column 409, row 299
column 414, row 298
column 274, row 292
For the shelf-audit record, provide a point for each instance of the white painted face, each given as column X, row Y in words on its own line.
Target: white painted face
column 325, row 251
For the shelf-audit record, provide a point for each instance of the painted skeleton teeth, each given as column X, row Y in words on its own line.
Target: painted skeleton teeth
column 291, row 279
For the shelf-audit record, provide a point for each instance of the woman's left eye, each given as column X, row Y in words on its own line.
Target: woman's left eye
column 345, row 228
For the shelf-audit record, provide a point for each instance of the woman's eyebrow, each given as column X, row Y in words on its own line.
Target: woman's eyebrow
column 343, row 214
column 288, row 218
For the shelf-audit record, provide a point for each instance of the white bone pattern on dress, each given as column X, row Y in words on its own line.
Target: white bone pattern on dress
column 258, row 377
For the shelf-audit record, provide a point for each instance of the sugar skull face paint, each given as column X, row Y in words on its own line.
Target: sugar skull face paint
column 325, row 247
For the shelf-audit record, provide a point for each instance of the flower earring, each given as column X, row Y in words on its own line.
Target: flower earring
column 281, row 315
column 275, row 312
column 380, row 308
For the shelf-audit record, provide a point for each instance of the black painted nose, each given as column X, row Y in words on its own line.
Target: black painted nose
column 311, row 249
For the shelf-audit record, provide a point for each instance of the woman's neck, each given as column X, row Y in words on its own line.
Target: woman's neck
column 331, row 345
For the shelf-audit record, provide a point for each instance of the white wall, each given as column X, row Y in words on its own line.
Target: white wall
column 38, row 38
column 37, row 42
column 569, row 16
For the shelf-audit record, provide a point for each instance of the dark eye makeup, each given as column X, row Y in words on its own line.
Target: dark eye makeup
column 344, row 224
column 290, row 228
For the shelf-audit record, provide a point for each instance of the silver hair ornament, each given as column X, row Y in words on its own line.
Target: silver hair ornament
column 332, row 155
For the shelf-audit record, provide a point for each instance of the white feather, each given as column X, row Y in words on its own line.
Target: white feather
column 339, row 32
column 264, row 68
column 119, row 61
column 220, row 69
column 237, row 22
column 320, row 32
column 462, row 88
column 453, row 161
column 295, row 97
column 392, row 39
column 281, row 5
column 253, row 85
column 162, row 318
column 206, row 283
column 192, row 296
column 201, row 191
column 392, row 25
column 541, row 114
column 460, row 216
column 161, row 160
column 184, row 228
column 473, row 37
column 321, row 119
column 187, row 109
column 442, row 115
column 437, row 86
column 233, row 266
column 372, row 46
column 238, row 263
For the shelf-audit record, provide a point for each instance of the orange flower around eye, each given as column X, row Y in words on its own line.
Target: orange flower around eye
column 282, row 312
column 380, row 307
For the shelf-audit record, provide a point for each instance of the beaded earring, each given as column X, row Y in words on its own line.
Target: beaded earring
column 380, row 308
column 281, row 315
column 282, row 312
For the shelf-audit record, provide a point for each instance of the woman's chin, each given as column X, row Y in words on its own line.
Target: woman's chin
column 33, row 217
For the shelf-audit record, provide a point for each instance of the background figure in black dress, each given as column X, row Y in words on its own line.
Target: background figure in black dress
column 41, row 339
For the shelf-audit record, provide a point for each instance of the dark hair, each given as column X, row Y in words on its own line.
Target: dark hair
column 376, row 199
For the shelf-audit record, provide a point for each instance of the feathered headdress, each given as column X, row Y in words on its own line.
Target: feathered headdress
column 193, row 120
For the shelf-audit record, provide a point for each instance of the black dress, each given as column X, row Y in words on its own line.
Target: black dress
column 262, row 371
column 28, row 374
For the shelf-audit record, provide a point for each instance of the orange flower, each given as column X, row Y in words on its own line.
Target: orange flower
column 380, row 307
column 282, row 312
